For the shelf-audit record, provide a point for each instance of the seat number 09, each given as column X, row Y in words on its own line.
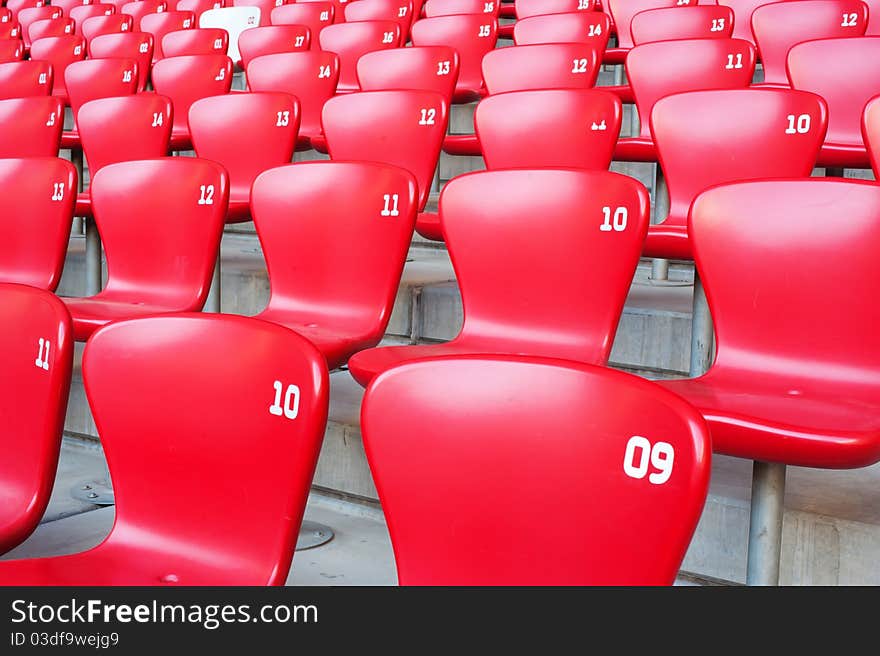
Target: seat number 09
column 639, row 452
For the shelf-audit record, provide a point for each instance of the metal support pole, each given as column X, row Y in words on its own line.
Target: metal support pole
column 660, row 266
column 212, row 303
column 702, row 332
column 76, row 158
column 618, row 75
column 765, row 524
column 93, row 258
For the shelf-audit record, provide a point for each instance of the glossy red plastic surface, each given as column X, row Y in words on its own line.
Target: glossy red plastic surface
column 490, row 420
column 29, row 16
column 60, row 51
column 198, row 41
column 399, row 11
column 541, row 66
column 340, row 297
column 313, row 15
column 67, row 5
column 339, row 8
column 529, row 8
column 761, row 133
column 140, row 8
column 574, row 128
column 549, row 222
column 10, row 30
column 272, row 39
column 427, row 68
column 49, row 27
column 187, row 79
column 98, row 25
column 689, row 22
column 590, row 26
column 434, row 8
column 247, row 133
column 265, row 7
column 622, row 12
column 871, row 133
column 33, row 404
column 472, row 36
column 174, row 273
column 11, row 50
column 21, row 79
column 198, row 7
column 128, row 45
column 16, row 6
column 351, row 40
column 785, row 387
column 161, row 24
column 811, row 67
column 659, row 69
column 81, row 13
column 233, row 530
column 37, row 122
column 403, row 128
column 100, row 78
column 780, row 25
column 309, row 76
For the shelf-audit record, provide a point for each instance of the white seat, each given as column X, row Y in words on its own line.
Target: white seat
column 234, row 20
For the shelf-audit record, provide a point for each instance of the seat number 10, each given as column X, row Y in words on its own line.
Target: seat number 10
column 618, row 223
column 290, row 409
column 801, row 125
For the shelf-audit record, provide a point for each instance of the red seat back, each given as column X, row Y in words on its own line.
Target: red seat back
column 10, row 30
column 688, row 22
column 99, row 78
column 662, row 68
column 11, row 50
column 403, row 128
column 541, row 66
column 335, row 237
column 198, row 7
column 472, row 35
column 16, row 6
column 529, row 8
column 60, row 51
column 197, row 41
column 124, row 128
column 177, row 205
column 81, row 13
column 137, row 46
column 21, row 79
column 339, row 8
column 66, row 5
column 140, row 8
column 38, row 121
column 161, row 24
column 547, row 128
column 309, row 76
column 613, row 468
column 37, row 355
column 49, row 27
column 434, row 8
column 238, row 534
column 351, row 40
column 247, row 133
column 780, row 25
column 762, row 133
column 265, row 7
column 26, row 17
column 590, row 26
column 399, row 11
column 428, row 68
column 313, row 15
column 272, row 39
column 742, row 16
column 871, row 133
column 187, row 79
column 622, row 11
column 97, row 26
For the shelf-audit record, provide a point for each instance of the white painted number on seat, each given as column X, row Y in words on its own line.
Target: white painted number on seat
column 290, row 409
column 485, row 30
column 801, row 127
column 298, row 43
column 599, row 126
column 42, row 361
column 401, row 12
column 595, row 30
column 849, row 20
column 325, row 16
column 126, row 76
column 323, row 71
column 443, row 67
column 157, row 119
column 717, row 25
column 283, row 119
column 218, row 44
column 43, row 79
column 619, row 222
column 221, row 75
column 206, row 194
column 579, row 65
column 488, row 7
column 639, row 451
column 51, row 120
column 388, row 37
column 734, row 61
column 143, row 48
column 427, row 116
column 583, row 5
column 58, row 191
column 390, row 208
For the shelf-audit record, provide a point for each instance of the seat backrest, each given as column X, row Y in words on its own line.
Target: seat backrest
column 591, row 26
column 10, row 31
column 622, row 12
column 81, row 13
column 38, row 121
column 96, row 26
column 472, row 35
column 60, row 51
column 780, row 25
column 127, row 45
column 351, row 40
column 197, row 41
column 542, row 66
column 429, row 68
column 177, row 205
column 247, row 133
column 265, row 7
column 313, row 15
column 270, row 444
column 662, row 68
column 49, row 27
column 871, row 133
column 403, row 128
column 22, row 79
column 614, row 468
column 99, row 78
column 811, row 67
column 190, row 78
column 339, row 8
column 16, row 6
column 124, row 128
column 30, row 15
column 776, row 225
column 309, row 76
column 399, row 11
column 742, row 16
column 688, row 22
column 137, row 9
column 575, row 128
column 434, row 8
column 529, row 8
column 762, row 133
column 234, row 20
column 272, row 39
column 11, row 50
column 161, row 24
column 335, row 237
column 36, row 347
column 66, row 5
column 198, row 7
column 38, row 205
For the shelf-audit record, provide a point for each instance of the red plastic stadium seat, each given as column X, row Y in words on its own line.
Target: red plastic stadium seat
column 334, row 259
column 96, row 78
column 265, row 7
column 121, row 129
column 582, row 230
column 780, row 25
column 182, row 225
column 434, row 8
column 60, row 51
column 399, row 11
column 198, row 41
column 127, row 45
column 426, row 68
column 161, row 24
column 613, row 518
column 811, row 67
column 140, row 8
column 247, row 133
column 49, row 27
column 472, row 35
column 351, row 40
column 761, row 133
column 742, row 16
column 574, row 128
column 659, row 69
column 10, row 30
column 81, row 13
column 198, row 7
column 689, row 22
column 66, row 5
column 871, row 133
column 531, row 8
column 187, row 79
column 233, row 530
column 590, row 26
column 11, row 50
column 16, row 6
column 309, row 76
column 272, row 39
column 21, row 79
column 97, row 26
column 37, row 354
column 622, row 13
column 26, row 17
column 313, row 15
column 541, row 66
column 339, row 8
column 37, row 122
column 34, row 247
